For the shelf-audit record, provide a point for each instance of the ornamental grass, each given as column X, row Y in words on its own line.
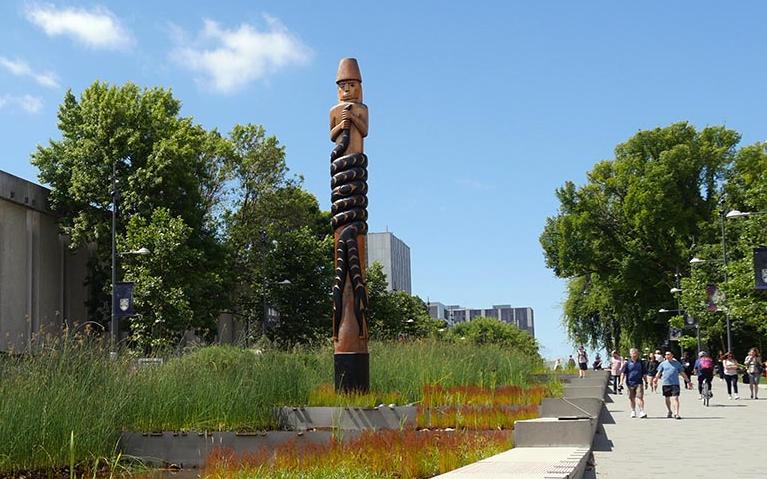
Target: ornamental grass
column 384, row 454
column 68, row 402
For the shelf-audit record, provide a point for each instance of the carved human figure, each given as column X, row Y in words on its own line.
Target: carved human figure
column 348, row 128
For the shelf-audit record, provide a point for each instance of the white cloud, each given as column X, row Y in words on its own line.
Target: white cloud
column 227, row 60
column 22, row 69
column 97, row 28
column 28, row 103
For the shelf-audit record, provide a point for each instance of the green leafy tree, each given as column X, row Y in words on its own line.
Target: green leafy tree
column 395, row 314
column 163, row 295
column 746, row 190
column 275, row 231
column 493, row 331
column 622, row 235
column 160, row 160
column 305, row 260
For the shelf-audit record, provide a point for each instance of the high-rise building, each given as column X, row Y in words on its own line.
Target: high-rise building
column 394, row 256
column 523, row 318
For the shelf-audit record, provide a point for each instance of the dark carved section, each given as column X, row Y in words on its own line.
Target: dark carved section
column 349, row 184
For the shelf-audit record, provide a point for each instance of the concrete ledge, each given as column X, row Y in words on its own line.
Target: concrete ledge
column 528, row 463
column 191, row 450
column 550, row 431
column 597, row 392
column 346, row 418
column 559, row 407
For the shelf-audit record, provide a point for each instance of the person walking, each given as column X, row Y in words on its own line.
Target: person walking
column 719, row 366
column 688, row 363
column 704, row 369
column 730, row 367
column 668, row 374
column 652, row 368
column 754, row 368
column 616, row 365
column 633, row 376
column 583, row 362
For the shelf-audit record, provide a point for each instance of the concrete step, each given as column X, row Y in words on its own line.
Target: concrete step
column 528, row 463
column 555, row 432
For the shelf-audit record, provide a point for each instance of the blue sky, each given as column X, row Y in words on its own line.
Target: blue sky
column 478, row 110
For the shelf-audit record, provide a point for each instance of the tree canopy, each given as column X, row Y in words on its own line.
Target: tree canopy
column 620, row 238
column 223, row 219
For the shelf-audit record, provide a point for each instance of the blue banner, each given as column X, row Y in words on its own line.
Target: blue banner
column 124, row 300
column 760, row 268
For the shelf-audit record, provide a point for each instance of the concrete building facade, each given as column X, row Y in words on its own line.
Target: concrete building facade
column 523, row 318
column 42, row 282
column 394, row 255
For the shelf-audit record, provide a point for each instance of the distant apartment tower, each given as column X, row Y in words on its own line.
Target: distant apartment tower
column 439, row 311
column 523, row 318
column 394, row 255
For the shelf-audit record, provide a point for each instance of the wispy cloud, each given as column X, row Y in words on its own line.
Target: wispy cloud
column 227, row 60
column 22, row 69
column 96, row 28
column 28, row 103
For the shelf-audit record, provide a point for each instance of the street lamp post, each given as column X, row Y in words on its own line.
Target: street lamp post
column 113, row 323
column 724, row 262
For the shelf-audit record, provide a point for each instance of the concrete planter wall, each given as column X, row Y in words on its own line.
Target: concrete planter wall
column 191, row 450
column 346, row 418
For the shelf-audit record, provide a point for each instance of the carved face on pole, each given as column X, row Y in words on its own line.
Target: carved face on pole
column 350, row 90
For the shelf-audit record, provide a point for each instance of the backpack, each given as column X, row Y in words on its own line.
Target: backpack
column 705, row 363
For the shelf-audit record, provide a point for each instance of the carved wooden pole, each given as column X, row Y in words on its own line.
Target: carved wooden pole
column 348, row 169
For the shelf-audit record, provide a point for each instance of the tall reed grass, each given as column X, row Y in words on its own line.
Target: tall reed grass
column 72, row 401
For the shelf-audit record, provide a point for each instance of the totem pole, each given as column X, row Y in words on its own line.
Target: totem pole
column 348, row 169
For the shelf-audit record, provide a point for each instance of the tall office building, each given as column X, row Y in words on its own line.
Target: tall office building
column 394, row 255
column 523, row 318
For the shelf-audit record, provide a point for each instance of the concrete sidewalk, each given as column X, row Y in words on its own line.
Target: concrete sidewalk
column 733, row 434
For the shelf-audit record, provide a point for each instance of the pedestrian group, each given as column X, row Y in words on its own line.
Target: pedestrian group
column 636, row 375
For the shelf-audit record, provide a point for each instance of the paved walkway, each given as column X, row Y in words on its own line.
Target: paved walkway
column 735, row 433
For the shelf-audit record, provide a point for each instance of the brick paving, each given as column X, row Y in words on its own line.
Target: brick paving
column 733, row 434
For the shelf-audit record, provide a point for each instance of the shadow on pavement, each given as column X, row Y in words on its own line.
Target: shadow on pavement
column 606, row 416
column 601, row 442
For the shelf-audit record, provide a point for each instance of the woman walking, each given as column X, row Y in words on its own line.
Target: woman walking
column 754, row 366
column 616, row 366
column 583, row 362
column 652, row 369
column 730, row 367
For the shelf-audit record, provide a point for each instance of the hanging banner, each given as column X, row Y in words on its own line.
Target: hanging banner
column 760, row 268
column 713, row 298
column 674, row 334
column 124, row 299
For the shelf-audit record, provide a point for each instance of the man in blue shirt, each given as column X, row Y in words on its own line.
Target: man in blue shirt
column 632, row 376
column 668, row 372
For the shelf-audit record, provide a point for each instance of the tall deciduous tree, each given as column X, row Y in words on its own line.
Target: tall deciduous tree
column 621, row 237
column 746, row 190
column 162, row 162
column 276, row 231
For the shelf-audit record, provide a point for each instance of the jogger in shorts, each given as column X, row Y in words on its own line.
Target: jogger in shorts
column 632, row 375
column 668, row 373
